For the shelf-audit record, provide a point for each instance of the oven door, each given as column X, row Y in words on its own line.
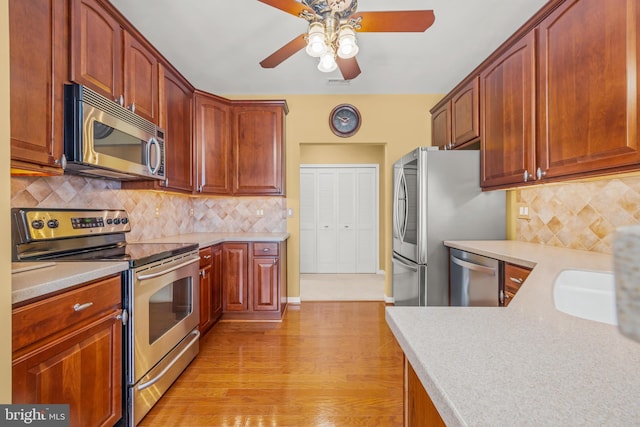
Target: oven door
column 165, row 309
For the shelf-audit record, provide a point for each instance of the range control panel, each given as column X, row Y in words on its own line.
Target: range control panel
column 44, row 224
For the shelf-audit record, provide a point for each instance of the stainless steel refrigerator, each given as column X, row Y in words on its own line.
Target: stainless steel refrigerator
column 437, row 197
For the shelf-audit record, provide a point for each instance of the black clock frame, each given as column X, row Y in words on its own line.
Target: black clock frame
column 338, row 109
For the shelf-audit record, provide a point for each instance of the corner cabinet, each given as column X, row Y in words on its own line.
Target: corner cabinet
column 38, row 61
column 254, row 280
column 514, row 276
column 419, row 409
column 67, row 349
column 258, row 148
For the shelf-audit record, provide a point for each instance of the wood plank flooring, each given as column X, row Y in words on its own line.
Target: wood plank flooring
column 326, row 364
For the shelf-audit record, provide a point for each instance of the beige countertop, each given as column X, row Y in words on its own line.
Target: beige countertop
column 53, row 277
column 209, row 239
column 528, row 363
column 37, row 282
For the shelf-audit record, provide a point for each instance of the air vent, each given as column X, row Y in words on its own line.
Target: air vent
column 338, row 82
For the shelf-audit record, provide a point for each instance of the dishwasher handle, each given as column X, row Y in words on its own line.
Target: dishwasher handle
column 475, row 267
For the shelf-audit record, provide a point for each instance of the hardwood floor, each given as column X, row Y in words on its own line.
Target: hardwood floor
column 326, row 364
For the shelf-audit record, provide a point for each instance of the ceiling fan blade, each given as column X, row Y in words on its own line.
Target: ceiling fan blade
column 284, row 52
column 290, row 6
column 348, row 67
column 396, row 21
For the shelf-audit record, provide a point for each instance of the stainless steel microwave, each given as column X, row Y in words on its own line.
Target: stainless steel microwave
column 104, row 139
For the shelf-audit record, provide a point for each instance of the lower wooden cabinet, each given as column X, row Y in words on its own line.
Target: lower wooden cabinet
column 514, row 277
column 67, row 349
column 210, row 286
column 254, row 280
column 419, row 409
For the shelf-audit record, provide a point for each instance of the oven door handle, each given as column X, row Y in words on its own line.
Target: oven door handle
column 169, row 270
column 196, row 336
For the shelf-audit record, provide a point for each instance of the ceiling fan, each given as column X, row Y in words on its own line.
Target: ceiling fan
column 332, row 29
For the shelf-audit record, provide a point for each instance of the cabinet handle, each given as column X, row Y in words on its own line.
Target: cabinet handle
column 275, row 261
column 120, row 101
column 527, row 176
column 516, row 280
column 540, row 174
column 201, row 273
column 207, row 257
column 265, row 250
column 132, row 107
column 80, row 307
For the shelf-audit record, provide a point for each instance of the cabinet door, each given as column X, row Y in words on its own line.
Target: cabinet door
column 216, row 282
column 465, row 113
column 441, row 126
column 514, row 277
column 141, row 79
column 82, row 369
column 588, row 108
column 236, row 276
column 507, row 95
column 175, row 118
column 265, row 284
column 38, row 37
column 205, row 289
column 213, row 145
column 258, row 146
column 96, row 48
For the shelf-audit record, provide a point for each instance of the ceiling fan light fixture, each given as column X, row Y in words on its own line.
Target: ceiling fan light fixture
column 347, row 45
column 316, row 45
column 327, row 62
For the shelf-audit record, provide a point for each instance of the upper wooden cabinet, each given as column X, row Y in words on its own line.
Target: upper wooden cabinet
column 213, row 144
column 507, row 109
column 258, row 148
column 455, row 120
column 111, row 60
column 38, row 43
column 588, row 84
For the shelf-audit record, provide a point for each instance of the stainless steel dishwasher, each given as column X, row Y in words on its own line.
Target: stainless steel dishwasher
column 474, row 279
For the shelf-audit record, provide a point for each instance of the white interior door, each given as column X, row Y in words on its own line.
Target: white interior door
column 339, row 219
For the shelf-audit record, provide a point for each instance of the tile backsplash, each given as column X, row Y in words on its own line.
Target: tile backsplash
column 153, row 214
column 579, row 215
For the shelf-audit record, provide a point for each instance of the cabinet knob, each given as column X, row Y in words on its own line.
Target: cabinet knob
column 540, row 174
column 120, row 100
column 132, row 107
column 516, row 280
column 527, row 176
column 265, row 250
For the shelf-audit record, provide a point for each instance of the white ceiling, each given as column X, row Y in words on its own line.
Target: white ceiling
column 217, row 45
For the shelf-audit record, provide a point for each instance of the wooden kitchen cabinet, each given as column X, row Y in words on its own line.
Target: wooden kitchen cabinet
column 176, row 95
column 210, row 286
column 258, row 148
column 588, row 109
column 38, row 52
column 213, row 144
column 65, row 354
column 258, row 292
column 419, row 409
column 108, row 58
column 507, row 115
column 455, row 120
column 514, row 277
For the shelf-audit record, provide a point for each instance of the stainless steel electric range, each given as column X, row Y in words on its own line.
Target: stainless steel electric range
column 160, row 291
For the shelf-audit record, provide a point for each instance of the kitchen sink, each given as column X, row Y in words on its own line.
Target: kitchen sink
column 586, row 294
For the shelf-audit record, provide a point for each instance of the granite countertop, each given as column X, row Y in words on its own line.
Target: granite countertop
column 56, row 276
column 528, row 363
column 209, row 239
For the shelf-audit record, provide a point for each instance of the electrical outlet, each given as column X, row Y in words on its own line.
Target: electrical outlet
column 260, row 212
column 523, row 211
column 191, row 212
column 157, row 212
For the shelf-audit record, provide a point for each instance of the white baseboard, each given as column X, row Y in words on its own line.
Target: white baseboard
column 293, row 300
column 389, row 300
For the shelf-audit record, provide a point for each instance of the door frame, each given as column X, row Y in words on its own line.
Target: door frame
column 376, row 168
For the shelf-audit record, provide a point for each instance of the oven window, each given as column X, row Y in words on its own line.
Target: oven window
column 169, row 306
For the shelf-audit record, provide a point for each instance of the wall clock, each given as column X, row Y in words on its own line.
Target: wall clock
column 344, row 120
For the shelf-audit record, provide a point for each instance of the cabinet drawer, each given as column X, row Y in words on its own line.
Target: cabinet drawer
column 265, row 249
column 514, row 276
column 205, row 256
column 41, row 319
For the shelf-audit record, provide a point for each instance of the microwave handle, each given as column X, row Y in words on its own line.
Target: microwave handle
column 155, row 168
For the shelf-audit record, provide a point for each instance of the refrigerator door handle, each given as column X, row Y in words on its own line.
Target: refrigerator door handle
column 409, row 266
column 475, row 267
